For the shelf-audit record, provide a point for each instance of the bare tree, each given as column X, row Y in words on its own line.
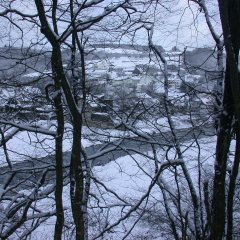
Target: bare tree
column 228, row 11
column 188, row 205
column 63, row 95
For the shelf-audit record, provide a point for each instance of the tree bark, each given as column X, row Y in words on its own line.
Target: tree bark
column 229, row 14
column 58, row 151
column 231, row 190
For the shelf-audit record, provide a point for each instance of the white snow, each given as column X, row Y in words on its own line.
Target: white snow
column 37, row 74
column 25, row 145
column 130, row 177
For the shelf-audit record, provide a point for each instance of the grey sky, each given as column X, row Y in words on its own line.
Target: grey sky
column 180, row 25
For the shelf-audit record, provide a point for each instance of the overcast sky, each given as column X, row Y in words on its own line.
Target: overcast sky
column 181, row 24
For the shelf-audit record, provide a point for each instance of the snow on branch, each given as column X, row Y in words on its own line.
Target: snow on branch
column 202, row 5
column 165, row 165
column 24, row 15
column 104, row 151
column 9, row 136
column 23, row 127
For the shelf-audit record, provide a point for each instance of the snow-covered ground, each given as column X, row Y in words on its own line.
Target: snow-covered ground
column 25, row 145
column 129, row 178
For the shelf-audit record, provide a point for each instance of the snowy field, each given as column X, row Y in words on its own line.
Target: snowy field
column 119, row 185
column 129, row 178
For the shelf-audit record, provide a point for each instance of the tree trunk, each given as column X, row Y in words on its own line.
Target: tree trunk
column 222, row 150
column 229, row 14
column 232, row 186
column 77, row 182
column 59, row 153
